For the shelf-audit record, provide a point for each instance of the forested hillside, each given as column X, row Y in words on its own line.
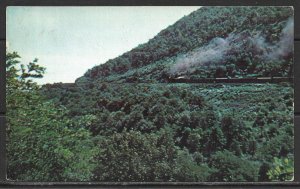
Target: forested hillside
column 210, row 42
column 185, row 132
column 123, row 121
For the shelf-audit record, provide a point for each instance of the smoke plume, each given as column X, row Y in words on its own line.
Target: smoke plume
column 221, row 49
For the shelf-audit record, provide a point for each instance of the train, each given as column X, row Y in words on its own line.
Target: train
column 183, row 79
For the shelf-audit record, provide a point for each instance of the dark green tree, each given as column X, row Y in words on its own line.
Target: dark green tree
column 43, row 144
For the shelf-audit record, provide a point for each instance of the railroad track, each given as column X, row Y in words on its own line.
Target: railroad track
column 233, row 80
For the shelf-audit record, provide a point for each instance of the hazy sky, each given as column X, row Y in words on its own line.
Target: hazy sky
column 70, row 40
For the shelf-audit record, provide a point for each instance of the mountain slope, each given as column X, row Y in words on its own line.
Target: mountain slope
column 249, row 32
column 155, row 131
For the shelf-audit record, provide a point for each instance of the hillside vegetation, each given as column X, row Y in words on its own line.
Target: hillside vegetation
column 210, row 42
column 122, row 121
column 155, row 129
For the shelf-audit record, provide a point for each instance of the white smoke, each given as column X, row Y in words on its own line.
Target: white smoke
column 218, row 50
column 285, row 44
column 211, row 53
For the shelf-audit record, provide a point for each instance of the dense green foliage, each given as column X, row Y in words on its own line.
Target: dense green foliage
column 283, row 169
column 43, row 144
column 121, row 121
column 153, row 60
column 210, row 132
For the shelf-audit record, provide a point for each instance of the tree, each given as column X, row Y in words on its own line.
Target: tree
column 186, row 169
column 133, row 156
column 43, row 144
column 282, row 170
column 233, row 168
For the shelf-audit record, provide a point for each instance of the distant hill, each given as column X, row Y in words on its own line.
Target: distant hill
column 210, row 42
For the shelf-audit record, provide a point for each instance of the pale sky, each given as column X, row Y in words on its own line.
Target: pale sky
column 70, row 40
